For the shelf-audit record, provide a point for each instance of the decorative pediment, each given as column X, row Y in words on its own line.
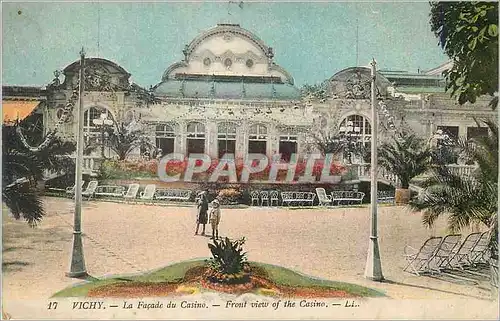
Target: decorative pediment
column 355, row 83
column 100, row 75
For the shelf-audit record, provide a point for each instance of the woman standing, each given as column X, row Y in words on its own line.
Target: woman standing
column 202, row 217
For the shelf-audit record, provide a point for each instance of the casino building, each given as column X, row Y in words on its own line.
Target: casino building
column 227, row 93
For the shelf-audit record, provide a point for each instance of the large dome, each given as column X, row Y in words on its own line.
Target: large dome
column 227, row 62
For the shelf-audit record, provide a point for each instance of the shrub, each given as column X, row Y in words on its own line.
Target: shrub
column 229, row 196
column 350, row 175
column 228, row 263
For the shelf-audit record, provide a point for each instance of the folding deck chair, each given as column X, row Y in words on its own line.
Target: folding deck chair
column 323, row 198
column 420, row 260
column 148, row 193
column 131, row 193
column 480, row 249
column 90, row 190
column 71, row 190
column 461, row 255
column 445, row 250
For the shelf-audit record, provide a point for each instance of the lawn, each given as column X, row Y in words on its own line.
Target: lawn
column 175, row 274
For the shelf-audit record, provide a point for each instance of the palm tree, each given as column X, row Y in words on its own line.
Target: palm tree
column 466, row 199
column 328, row 142
column 406, row 156
column 124, row 140
column 21, row 169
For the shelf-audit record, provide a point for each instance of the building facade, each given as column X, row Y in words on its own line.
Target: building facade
column 227, row 94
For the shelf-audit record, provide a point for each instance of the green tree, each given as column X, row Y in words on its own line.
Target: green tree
column 468, row 33
column 22, row 169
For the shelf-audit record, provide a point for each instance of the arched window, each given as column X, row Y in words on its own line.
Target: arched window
column 356, row 130
column 257, row 139
column 165, row 138
column 226, row 138
column 92, row 131
column 288, row 143
column 195, row 140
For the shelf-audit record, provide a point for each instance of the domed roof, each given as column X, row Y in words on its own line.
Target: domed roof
column 228, row 50
column 226, row 90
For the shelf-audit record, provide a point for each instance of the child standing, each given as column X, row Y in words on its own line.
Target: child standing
column 215, row 218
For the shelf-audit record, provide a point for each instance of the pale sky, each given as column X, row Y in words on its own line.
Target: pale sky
column 312, row 41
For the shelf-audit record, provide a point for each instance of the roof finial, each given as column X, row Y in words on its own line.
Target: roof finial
column 185, row 52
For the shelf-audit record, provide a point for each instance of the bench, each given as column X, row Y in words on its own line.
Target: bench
column 385, row 197
column 173, row 194
column 300, row 198
column 347, row 196
column 110, row 191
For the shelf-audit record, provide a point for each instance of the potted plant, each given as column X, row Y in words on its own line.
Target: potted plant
column 406, row 156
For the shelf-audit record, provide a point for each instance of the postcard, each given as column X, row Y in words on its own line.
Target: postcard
column 246, row 160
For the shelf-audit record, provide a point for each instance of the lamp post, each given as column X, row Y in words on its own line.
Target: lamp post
column 373, row 269
column 77, row 268
column 102, row 122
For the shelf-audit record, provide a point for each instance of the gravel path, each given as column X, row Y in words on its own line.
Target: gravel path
column 125, row 238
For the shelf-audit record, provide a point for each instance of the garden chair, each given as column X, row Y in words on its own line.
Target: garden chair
column 264, row 197
column 274, row 197
column 71, row 190
column 461, row 254
column 323, row 198
column 90, row 190
column 419, row 261
column 255, row 197
column 132, row 191
column 480, row 250
column 148, row 193
column 445, row 250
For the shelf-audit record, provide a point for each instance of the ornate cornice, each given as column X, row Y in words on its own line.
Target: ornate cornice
column 288, row 76
column 166, row 74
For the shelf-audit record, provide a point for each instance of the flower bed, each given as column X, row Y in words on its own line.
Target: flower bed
column 112, row 169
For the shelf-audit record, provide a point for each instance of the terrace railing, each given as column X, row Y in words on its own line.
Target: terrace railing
column 384, row 176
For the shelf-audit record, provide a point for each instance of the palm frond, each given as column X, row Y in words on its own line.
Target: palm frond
column 23, row 202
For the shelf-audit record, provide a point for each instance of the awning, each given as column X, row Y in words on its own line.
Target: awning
column 17, row 110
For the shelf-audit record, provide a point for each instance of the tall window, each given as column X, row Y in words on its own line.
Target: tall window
column 226, row 138
column 446, row 151
column 288, row 144
column 357, row 131
column 447, row 131
column 257, row 139
column 476, row 132
column 195, row 140
column 165, row 138
column 92, row 132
